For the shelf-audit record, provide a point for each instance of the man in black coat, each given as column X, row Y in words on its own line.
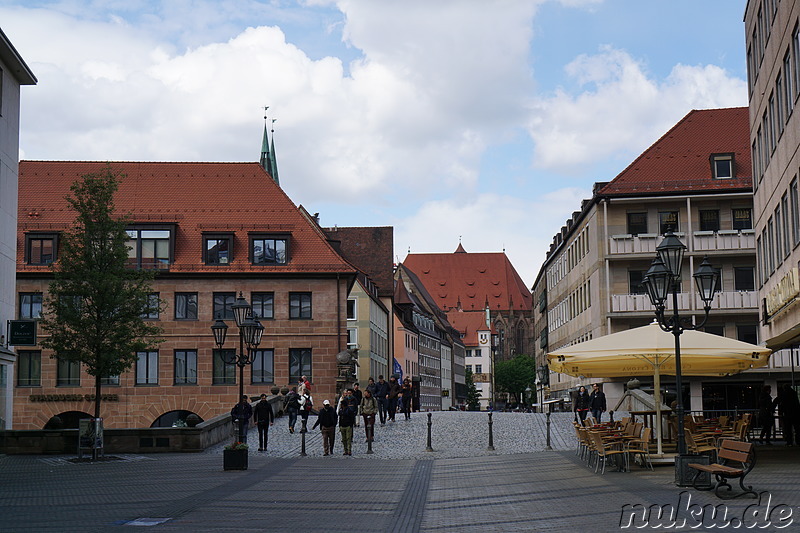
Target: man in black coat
column 382, row 395
column 327, row 419
column 264, row 417
column 597, row 402
column 241, row 414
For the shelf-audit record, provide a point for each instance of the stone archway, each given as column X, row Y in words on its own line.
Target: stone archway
column 175, row 418
column 68, row 420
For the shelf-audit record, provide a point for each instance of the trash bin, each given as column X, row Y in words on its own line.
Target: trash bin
column 684, row 475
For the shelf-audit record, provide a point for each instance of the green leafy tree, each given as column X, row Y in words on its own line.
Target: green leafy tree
column 515, row 375
column 473, row 396
column 93, row 313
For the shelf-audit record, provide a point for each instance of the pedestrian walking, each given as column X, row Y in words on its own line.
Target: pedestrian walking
column 347, row 417
column 372, row 387
column 597, row 402
column 306, row 403
column 326, row 420
column 582, row 402
column 264, row 417
column 369, row 408
column 292, row 406
column 394, row 392
column 406, row 394
column 766, row 414
column 382, row 396
column 304, row 384
column 241, row 414
column 358, row 394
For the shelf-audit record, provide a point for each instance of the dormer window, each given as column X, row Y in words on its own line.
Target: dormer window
column 41, row 248
column 150, row 247
column 269, row 249
column 722, row 166
column 217, row 248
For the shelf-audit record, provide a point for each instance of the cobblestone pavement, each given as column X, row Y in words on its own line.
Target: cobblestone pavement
column 453, row 434
column 401, row 488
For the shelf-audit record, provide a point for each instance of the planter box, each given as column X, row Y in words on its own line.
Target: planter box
column 234, row 459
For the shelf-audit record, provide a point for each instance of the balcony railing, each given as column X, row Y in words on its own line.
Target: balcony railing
column 645, row 243
column 724, row 240
column 621, row 303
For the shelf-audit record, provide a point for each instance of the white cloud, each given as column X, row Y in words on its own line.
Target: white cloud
column 618, row 107
column 490, row 223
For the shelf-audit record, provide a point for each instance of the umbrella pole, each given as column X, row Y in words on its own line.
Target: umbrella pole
column 657, row 397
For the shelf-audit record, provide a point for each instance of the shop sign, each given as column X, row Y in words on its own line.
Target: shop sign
column 783, row 293
column 22, row 332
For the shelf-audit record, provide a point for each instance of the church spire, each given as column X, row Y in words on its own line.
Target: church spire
column 268, row 161
column 273, row 162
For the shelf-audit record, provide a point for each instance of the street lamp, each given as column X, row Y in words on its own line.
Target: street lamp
column 662, row 277
column 250, row 332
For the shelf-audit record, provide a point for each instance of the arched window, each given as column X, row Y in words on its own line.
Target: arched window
column 172, row 419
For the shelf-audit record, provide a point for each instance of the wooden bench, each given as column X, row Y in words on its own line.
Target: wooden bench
column 736, row 460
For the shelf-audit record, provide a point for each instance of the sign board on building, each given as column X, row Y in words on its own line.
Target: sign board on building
column 22, row 332
column 784, row 293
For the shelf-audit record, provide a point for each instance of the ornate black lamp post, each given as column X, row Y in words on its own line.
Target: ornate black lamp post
column 250, row 331
column 664, row 276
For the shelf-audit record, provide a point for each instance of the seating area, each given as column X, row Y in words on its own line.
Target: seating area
column 735, row 460
column 613, row 443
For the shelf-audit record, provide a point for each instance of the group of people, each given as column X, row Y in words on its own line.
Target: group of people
column 594, row 402
column 381, row 399
column 788, row 411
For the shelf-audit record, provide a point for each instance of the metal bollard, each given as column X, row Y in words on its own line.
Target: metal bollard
column 303, row 439
column 491, row 435
column 429, row 448
column 369, row 446
column 548, row 431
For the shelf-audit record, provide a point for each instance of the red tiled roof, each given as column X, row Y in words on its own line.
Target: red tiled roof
column 680, row 160
column 197, row 197
column 468, row 324
column 471, row 279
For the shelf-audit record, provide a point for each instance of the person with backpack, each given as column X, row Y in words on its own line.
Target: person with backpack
column 306, row 403
column 292, row 406
column 263, row 418
column 369, row 408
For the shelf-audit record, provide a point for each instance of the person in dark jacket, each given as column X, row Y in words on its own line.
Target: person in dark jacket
column 371, row 387
column 347, row 417
column 358, row 394
column 766, row 414
column 597, row 402
column 241, row 414
column 407, row 397
column 326, row 420
column 582, row 403
column 382, row 395
column 292, row 406
column 263, row 418
column 394, row 392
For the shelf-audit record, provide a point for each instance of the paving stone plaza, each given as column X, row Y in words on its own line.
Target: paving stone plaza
column 460, row 486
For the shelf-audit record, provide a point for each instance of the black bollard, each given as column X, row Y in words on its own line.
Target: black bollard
column 491, row 435
column 548, row 430
column 303, row 440
column 429, row 448
column 369, row 446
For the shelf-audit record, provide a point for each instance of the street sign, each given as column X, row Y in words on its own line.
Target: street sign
column 22, row 332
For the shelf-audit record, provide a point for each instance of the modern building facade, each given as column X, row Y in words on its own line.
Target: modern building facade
column 14, row 73
column 696, row 181
column 211, row 231
column 772, row 30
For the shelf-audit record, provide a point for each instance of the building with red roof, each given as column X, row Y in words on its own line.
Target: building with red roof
column 472, row 282
column 695, row 180
column 212, row 231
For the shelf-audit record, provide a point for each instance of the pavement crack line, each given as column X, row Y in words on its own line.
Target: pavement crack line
column 410, row 509
column 185, row 505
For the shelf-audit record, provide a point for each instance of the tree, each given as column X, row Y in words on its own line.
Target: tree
column 515, row 375
column 473, row 396
column 93, row 313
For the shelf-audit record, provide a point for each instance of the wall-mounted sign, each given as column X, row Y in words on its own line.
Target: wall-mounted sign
column 783, row 293
column 22, row 332
column 71, row 397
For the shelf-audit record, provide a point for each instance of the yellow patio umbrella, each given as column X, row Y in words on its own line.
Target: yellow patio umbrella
column 650, row 350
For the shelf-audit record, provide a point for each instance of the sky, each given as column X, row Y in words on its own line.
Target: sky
column 479, row 121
